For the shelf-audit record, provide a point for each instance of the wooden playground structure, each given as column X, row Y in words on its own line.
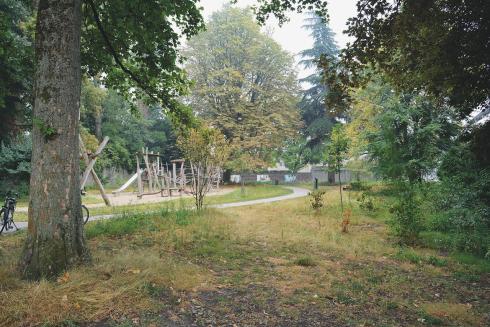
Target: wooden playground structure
column 154, row 176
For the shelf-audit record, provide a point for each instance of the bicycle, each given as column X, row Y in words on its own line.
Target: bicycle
column 85, row 212
column 7, row 213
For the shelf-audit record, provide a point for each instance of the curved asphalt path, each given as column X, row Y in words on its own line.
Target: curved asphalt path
column 298, row 192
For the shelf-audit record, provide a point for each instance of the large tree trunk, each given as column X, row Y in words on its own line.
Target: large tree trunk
column 55, row 239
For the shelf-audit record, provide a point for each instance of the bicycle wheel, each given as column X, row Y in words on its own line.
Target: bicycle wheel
column 85, row 214
column 10, row 219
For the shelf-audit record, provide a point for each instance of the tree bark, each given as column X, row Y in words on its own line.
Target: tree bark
column 340, row 189
column 55, row 238
column 98, row 124
column 242, row 183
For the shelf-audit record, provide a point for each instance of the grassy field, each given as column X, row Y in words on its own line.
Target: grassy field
column 279, row 264
column 252, row 192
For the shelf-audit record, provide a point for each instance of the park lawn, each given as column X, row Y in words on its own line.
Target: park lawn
column 91, row 197
column 252, row 192
column 277, row 264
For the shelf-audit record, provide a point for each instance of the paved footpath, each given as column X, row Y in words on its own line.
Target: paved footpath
column 298, row 192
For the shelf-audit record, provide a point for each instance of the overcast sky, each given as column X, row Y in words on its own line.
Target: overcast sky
column 291, row 36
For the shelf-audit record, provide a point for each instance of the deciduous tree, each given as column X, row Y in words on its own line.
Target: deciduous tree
column 16, row 67
column 207, row 150
column 439, row 46
column 135, row 44
column 244, row 84
column 296, row 154
column 337, row 150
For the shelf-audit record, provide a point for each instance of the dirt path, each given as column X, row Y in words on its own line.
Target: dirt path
column 130, row 198
column 297, row 193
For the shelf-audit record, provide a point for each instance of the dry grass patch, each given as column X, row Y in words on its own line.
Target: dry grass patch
column 121, row 283
column 280, row 263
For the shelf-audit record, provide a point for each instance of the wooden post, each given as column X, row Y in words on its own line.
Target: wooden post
column 182, row 177
column 140, row 182
column 148, row 172
column 91, row 164
column 92, row 171
column 174, row 171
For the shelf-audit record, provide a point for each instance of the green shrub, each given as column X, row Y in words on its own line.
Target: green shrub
column 15, row 165
column 359, row 186
column 366, row 202
column 316, row 199
column 407, row 219
column 437, row 240
column 461, row 199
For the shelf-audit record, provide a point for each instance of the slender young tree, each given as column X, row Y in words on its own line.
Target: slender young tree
column 207, row 150
column 295, row 155
column 337, row 151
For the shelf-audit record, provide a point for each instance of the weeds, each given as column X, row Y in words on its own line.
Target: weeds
column 305, row 262
column 409, row 255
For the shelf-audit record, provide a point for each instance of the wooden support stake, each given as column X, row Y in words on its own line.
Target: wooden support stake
column 92, row 171
column 149, row 172
column 140, row 182
column 93, row 158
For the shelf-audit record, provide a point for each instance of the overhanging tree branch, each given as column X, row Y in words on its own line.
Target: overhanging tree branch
column 115, row 55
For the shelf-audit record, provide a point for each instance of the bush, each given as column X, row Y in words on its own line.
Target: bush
column 407, row 218
column 366, row 202
column 15, row 165
column 316, row 199
column 359, row 186
column 461, row 201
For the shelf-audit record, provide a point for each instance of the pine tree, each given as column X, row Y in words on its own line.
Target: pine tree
column 318, row 123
